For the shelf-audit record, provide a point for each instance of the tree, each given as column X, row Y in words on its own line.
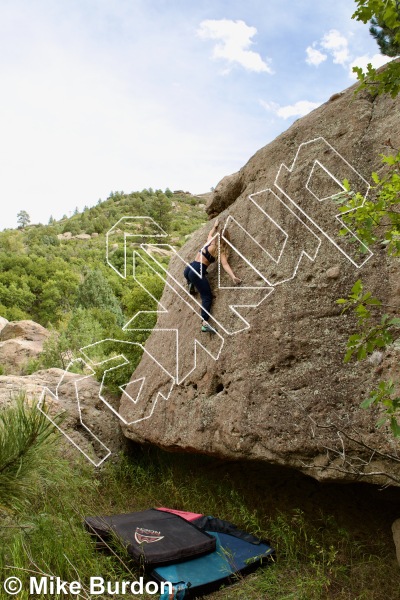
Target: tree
column 385, row 18
column 80, row 329
column 96, row 292
column 385, row 37
column 160, row 209
column 377, row 221
column 23, row 218
column 73, row 226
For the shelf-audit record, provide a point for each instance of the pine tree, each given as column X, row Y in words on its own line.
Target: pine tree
column 386, row 35
column 23, row 218
column 25, row 436
column 384, row 18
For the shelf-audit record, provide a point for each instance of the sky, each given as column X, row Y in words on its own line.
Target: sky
column 121, row 95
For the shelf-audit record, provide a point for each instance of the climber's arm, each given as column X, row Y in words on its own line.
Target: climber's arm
column 214, row 229
column 227, row 268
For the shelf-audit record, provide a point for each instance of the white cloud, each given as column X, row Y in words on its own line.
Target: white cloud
column 314, row 56
column 298, row 109
column 270, row 106
column 377, row 60
column 235, row 37
column 337, row 45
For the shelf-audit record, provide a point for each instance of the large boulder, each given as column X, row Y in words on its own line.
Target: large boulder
column 277, row 389
column 20, row 341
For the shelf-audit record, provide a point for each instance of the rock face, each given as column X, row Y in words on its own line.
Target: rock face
column 276, row 389
column 225, row 194
column 61, row 397
column 20, row 341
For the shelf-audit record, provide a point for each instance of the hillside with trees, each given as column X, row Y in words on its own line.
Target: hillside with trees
column 57, row 274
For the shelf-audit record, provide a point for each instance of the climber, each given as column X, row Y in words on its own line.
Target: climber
column 196, row 272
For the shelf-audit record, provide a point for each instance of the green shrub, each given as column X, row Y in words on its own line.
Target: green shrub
column 25, row 437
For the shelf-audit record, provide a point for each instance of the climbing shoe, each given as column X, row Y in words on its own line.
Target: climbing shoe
column 207, row 328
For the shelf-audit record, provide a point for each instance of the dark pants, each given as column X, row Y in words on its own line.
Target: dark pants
column 201, row 284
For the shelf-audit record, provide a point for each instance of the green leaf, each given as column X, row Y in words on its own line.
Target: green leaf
column 381, row 422
column 348, row 355
column 375, row 177
column 396, row 403
column 353, row 339
column 374, row 301
column 362, row 311
column 389, row 160
column 368, row 402
column 357, row 287
column 395, row 427
column 361, row 353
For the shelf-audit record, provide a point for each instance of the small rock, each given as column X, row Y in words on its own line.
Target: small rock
column 335, row 96
column 333, row 272
column 376, row 358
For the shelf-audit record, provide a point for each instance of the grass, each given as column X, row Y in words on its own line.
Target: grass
column 318, row 558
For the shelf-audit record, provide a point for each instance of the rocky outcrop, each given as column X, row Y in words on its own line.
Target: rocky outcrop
column 80, row 236
column 60, row 390
column 89, row 426
column 152, row 249
column 20, row 341
column 225, row 194
column 28, row 330
column 3, row 323
column 276, row 389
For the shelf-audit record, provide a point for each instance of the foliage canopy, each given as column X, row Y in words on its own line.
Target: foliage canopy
column 385, row 18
